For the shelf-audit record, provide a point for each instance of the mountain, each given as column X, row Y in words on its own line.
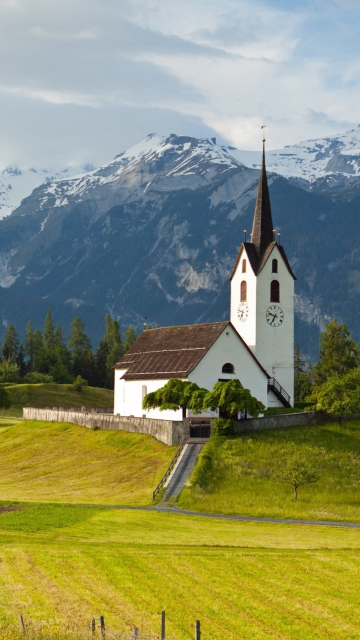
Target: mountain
column 16, row 184
column 154, row 234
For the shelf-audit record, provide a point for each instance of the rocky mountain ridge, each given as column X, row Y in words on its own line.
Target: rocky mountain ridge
column 155, row 234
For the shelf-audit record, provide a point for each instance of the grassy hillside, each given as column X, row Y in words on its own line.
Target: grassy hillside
column 60, row 462
column 235, row 475
column 55, row 395
column 244, row 581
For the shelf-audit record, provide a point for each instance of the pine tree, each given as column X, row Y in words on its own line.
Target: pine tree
column 49, row 331
column 11, row 344
column 20, row 361
column 78, row 340
column 302, row 376
column 130, row 337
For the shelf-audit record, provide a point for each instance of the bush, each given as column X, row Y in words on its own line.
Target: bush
column 222, row 427
column 5, row 401
column 9, row 371
column 79, row 383
column 35, row 377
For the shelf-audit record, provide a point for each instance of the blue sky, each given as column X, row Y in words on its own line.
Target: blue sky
column 82, row 80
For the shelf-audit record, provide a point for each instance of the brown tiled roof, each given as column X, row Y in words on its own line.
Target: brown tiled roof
column 169, row 352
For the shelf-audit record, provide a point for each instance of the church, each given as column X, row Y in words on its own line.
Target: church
column 256, row 346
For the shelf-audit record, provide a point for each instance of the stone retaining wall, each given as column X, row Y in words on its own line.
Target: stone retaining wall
column 168, row 431
column 280, row 421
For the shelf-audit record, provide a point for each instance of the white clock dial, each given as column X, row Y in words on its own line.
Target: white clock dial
column 274, row 316
column 243, row 311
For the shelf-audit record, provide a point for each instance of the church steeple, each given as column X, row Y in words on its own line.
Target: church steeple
column 262, row 230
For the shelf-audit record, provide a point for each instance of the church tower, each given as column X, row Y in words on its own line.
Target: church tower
column 262, row 299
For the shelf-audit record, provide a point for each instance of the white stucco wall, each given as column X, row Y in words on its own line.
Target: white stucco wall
column 246, row 329
column 128, row 395
column 275, row 345
column 229, row 348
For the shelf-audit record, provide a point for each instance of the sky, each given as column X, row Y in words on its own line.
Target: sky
column 83, row 80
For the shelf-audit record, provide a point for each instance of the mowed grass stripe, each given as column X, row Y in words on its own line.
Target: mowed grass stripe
column 130, row 565
column 61, row 462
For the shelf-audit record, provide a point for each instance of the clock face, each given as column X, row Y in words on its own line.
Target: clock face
column 243, row 311
column 274, row 316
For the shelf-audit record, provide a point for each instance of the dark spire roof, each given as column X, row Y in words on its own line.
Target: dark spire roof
column 262, row 230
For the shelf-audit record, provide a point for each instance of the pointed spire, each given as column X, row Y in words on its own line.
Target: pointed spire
column 262, row 230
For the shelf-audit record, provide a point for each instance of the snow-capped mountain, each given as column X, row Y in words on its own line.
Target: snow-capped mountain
column 155, row 233
column 17, row 184
column 333, row 158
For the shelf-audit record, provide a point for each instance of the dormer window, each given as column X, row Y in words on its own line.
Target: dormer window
column 228, row 368
column 244, row 266
column 274, row 266
column 243, row 291
column 275, row 291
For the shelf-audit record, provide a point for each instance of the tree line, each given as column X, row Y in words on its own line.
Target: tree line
column 46, row 356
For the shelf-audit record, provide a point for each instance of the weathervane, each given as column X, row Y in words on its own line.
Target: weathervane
column 263, row 126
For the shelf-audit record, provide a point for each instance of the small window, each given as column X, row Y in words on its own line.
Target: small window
column 243, row 291
column 275, row 291
column 144, row 391
column 228, row 368
column 274, row 266
column 244, row 266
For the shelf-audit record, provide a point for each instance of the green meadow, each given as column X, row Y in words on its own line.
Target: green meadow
column 62, row 462
column 60, row 565
column 235, row 475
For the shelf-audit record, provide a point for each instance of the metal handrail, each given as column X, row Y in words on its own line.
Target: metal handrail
column 170, row 468
column 272, row 382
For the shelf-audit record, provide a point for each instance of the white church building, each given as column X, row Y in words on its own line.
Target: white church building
column 256, row 346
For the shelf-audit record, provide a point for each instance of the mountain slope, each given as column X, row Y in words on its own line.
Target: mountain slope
column 155, row 234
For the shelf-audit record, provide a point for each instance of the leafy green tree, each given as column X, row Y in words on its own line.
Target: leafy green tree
column 302, row 376
column 79, row 383
column 296, row 470
column 176, row 394
column 230, row 398
column 339, row 396
column 11, row 344
column 339, row 352
column 9, row 371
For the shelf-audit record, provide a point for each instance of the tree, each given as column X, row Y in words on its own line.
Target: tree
column 20, row 361
column 302, row 376
column 32, row 345
column 130, row 337
column 339, row 352
column 230, row 397
column 109, row 352
column 297, row 471
column 11, row 344
column 5, row 402
column 78, row 339
column 339, row 396
column 49, row 331
column 176, row 394
column 9, row 371
column 79, row 383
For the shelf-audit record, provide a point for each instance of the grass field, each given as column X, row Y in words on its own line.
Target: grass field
column 54, row 395
column 234, row 475
column 61, row 462
column 242, row 580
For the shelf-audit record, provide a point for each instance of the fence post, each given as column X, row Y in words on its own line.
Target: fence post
column 163, row 625
column 197, row 630
column 136, row 632
column 102, row 626
column 22, row 624
column 93, row 626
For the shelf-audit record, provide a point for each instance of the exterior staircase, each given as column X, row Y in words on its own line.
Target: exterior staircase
column 277, row 389
column 180, row 468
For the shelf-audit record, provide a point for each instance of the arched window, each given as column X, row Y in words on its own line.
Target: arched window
column 228, row 368
column 143, row 391
column 275, row 291
column 244, row 266
column 274, row 266
column 243, row 291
